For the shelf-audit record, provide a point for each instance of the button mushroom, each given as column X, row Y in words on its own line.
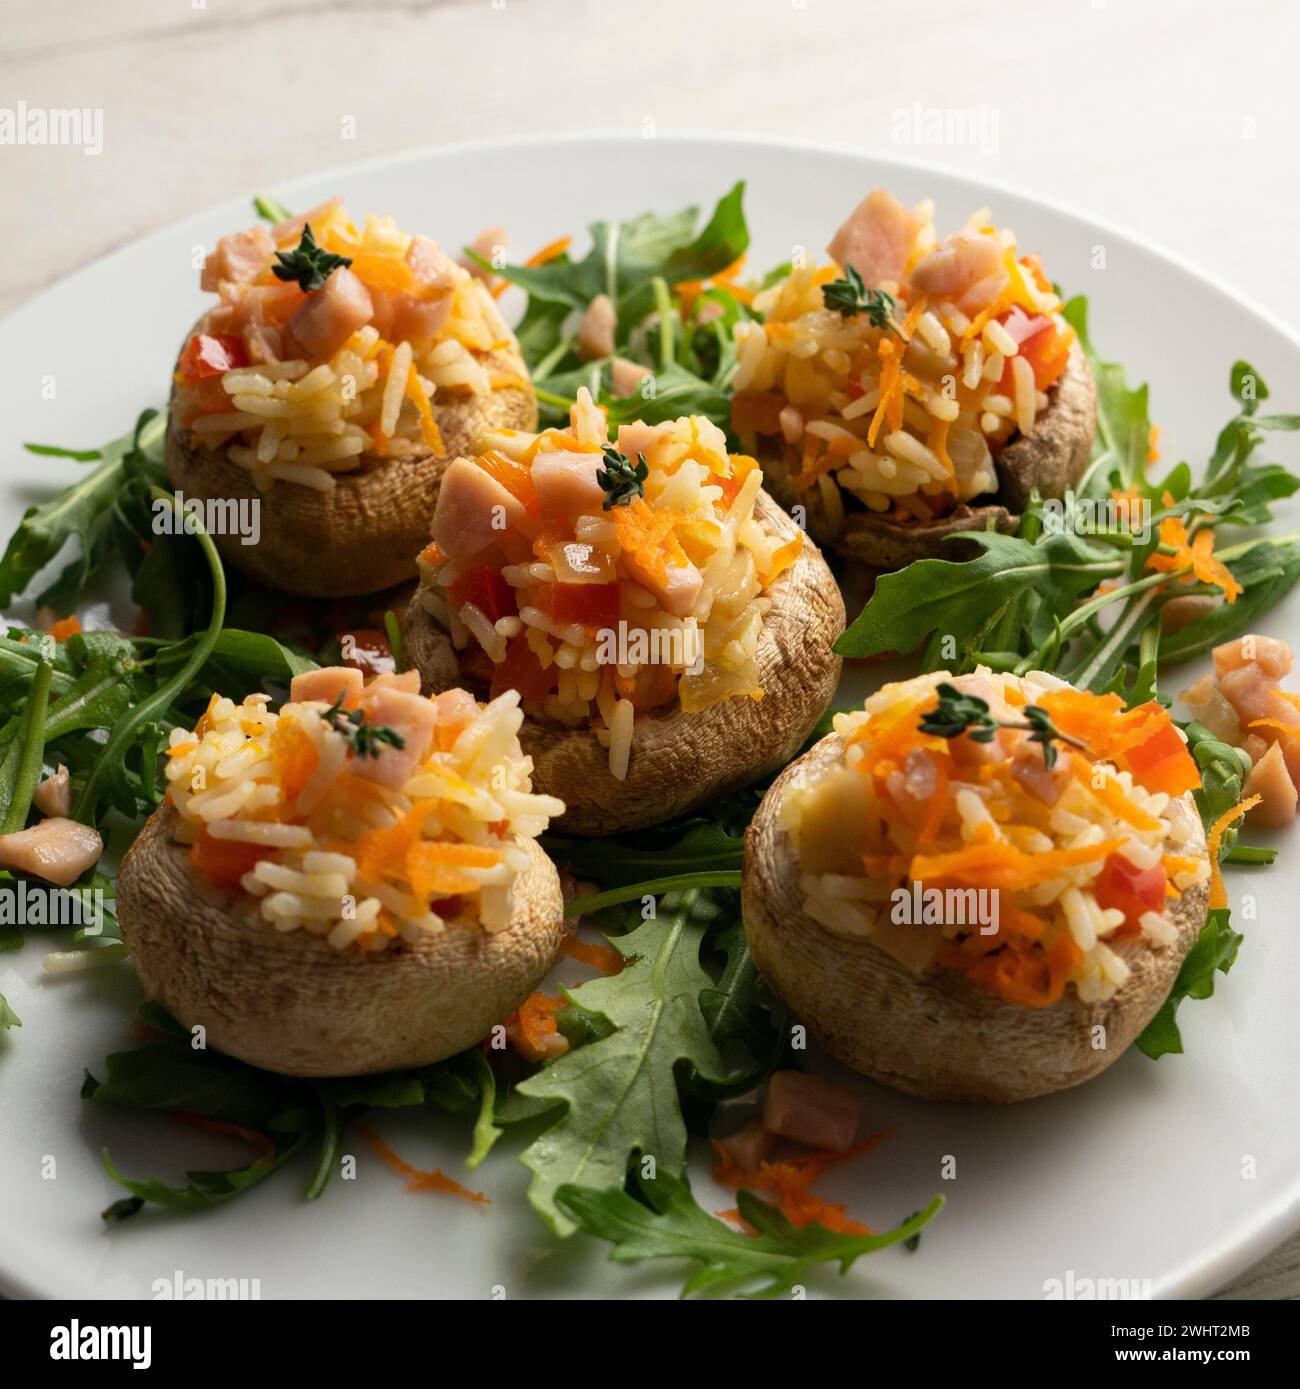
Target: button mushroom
column 923, row 1024
column 322, row 943
column 342, row 507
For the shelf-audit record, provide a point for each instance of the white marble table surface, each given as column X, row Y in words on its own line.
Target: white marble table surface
column 1177, row 121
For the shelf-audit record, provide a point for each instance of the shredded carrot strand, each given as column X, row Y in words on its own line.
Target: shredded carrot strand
column 433, row 1180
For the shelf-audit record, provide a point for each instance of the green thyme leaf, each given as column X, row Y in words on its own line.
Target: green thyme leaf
column 620, row 479
column 309, row 264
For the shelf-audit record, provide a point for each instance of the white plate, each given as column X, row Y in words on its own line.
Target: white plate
column 1139, row 1175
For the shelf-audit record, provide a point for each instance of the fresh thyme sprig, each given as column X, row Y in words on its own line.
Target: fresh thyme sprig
column 363, row 738
column 311, row 265
column 850, row 296
column 957, row 713
column 621, row 479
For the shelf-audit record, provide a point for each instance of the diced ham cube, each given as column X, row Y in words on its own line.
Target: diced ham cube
column 877, row 238
column 1272, row 656
column 1030, row 769
column 1270, row 779
column 676, row 586
column 473, row 510
column 240, row 258
column 810, row 1110
column 412, row 717
column 626, row 376
column 289, row 232
column 1178, row 613
column 404, row 318
column 566, row 482
column 639, row 437
column 429, row 263
column 967, row 263
column 54, row 795
column 750, row 1145
column 485, row 244
column 327, row 685
column 408, row 680
column 327, row 318
column 596, row 331
column 55, row 849
column 457, row 709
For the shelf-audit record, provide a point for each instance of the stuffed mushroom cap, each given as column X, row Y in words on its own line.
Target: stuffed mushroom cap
column 935, row 1009
column 630, row 735
column 346, row 886
column 328, row 402
column 913, row 390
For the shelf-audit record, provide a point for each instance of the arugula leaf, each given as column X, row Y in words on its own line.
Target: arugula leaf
column 667, row 1223
column 619, row 1093
column 205, row 1189
column 173, row 1075
column 699, row 845
column 8, row 1018
column 626, row 256
column 77, row 519
column 946, row 598
column 1123, row 439
column 1215, row 951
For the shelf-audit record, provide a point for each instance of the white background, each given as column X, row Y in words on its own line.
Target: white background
column 1174, row 120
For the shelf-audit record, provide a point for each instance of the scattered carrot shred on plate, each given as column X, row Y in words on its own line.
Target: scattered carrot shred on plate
column 264, row 1145
column 789, row 1181
column 1218, row 893
column 433, row 1180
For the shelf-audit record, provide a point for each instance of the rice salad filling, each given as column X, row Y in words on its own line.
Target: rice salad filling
column 366, row 815
column 892, row 377
column 1078, row 861
column 605, row 581
column 354, row 360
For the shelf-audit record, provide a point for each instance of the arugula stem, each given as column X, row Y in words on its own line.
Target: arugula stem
column 395, row 643
column 331, row 1145
column 664, row 309
column 552, row 359
column 1115, row 643
column 157, row 703
column 1249, row 854
column 557, row 402
column 652, row 887
column 30, row 753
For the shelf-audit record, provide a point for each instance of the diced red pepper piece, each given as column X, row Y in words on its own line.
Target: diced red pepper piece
column 589, row 605
column 487, row 590
column 208, row 355
column 1122, row 887
column 522, row 671
column 1046, row 350
column 1161, row 762
column 225, row 861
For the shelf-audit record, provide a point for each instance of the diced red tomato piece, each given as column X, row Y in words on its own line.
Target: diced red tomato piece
column 522, row 671
column 208, row 355
column 1122, row 887
column 487, row 590
column 589, row 605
